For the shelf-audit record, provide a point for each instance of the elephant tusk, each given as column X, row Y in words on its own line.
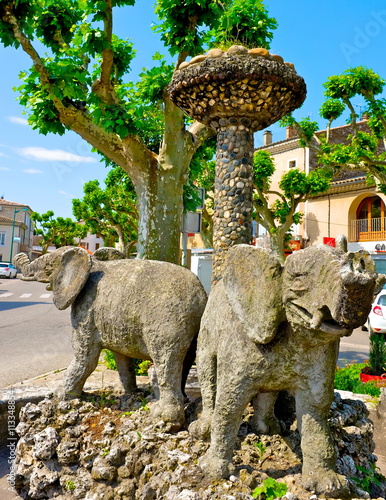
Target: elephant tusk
column 317, row 320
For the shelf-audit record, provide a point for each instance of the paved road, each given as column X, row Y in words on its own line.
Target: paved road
column 354, row 349
column 34, row 335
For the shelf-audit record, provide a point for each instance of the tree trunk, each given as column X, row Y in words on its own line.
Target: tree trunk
column 277, row 246
column 207, row 229
column 120, row 245
column 160, row 207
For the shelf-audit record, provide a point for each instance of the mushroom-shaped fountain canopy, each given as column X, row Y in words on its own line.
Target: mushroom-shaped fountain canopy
column 251, row 85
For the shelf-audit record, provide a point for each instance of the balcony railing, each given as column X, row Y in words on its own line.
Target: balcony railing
column 367, row 230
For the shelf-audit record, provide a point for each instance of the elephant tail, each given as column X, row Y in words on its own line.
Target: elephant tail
column 188, row 363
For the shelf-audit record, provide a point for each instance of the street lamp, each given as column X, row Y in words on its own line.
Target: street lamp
column 13, row 229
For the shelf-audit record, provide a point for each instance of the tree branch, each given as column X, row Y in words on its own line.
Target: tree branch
column 328, row 130
column 10, row 18
column 280, row 195
column 181, row 58
column 175, row 145
column 131, row 154
column 268, row 221
column 304, row 138
column 103, row 86
column 200, row 134
column 353, row 115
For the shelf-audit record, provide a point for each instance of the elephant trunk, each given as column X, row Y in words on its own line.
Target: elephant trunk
column 21, row 261
column 41, row 268
column 358, row 279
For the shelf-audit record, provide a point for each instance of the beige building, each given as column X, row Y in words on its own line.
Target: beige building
column 90, row 242
column 350, row 207
column 15, row 225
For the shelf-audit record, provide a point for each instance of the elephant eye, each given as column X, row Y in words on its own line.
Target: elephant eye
column 299, row 284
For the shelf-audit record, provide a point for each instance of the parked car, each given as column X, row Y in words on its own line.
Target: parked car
column 377, row 317
column 7, row 270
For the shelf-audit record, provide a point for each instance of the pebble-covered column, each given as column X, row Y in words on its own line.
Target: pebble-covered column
column 233, row 189
column 236, row 93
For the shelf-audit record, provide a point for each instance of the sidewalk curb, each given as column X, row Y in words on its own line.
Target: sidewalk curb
column 14, row 397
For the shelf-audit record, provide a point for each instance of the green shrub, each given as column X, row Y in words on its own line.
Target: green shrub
column 369, row 476
column 141, row 367
column 377, row 354
column 271, row 489
column 347, row 379
column 109, row 360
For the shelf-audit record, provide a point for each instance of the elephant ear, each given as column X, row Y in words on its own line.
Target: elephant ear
column 253, row 284
column 108, row 253
column 70, row 276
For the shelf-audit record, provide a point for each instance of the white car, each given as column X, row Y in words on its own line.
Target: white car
column 7, row 270
column 377, row 316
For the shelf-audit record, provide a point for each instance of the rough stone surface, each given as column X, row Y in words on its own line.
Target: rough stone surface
column 256, row 86
column 233, row 191
column 236, row 93
column 378, row 415
column 137, row 308
column 124, row 454
column 267, row 328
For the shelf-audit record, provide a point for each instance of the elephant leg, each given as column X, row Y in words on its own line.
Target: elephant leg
column 226, row 420
column 318, row 450
column 207, row 375
column 170, row 406
column 126, row 372
column 264, row 420
column 84, row 363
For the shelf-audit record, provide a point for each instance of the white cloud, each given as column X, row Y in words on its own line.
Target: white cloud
column 32, row 171
column 44, row 154
column 17, row 119
column 5, row 169
column 64, row 193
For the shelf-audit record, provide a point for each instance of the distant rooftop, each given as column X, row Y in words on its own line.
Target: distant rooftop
column 292, row 140
column 13, row 203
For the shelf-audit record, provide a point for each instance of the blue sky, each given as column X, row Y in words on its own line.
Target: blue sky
column 320, row 38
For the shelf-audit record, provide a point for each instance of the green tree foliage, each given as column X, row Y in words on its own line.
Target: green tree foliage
column 277, row 211
column 79, row 82
column 110, row 212
column 58, row 232
column 184, row 25
column 244, row 21
column 363, row 150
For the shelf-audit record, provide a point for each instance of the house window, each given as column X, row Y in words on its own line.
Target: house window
column 371, row 208
column 371, row 218
column 2, row 239
column 291, row 163
column 96, row 246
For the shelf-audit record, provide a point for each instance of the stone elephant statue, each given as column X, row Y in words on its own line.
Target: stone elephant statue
column 268, row 328
column 136, row 308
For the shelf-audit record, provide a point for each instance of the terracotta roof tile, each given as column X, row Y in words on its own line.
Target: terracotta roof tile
column 12, row 203
column 5, row 219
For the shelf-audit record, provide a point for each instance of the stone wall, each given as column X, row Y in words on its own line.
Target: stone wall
column 108, row 448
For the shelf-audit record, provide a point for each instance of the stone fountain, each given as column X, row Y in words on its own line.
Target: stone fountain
column 236, row 93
